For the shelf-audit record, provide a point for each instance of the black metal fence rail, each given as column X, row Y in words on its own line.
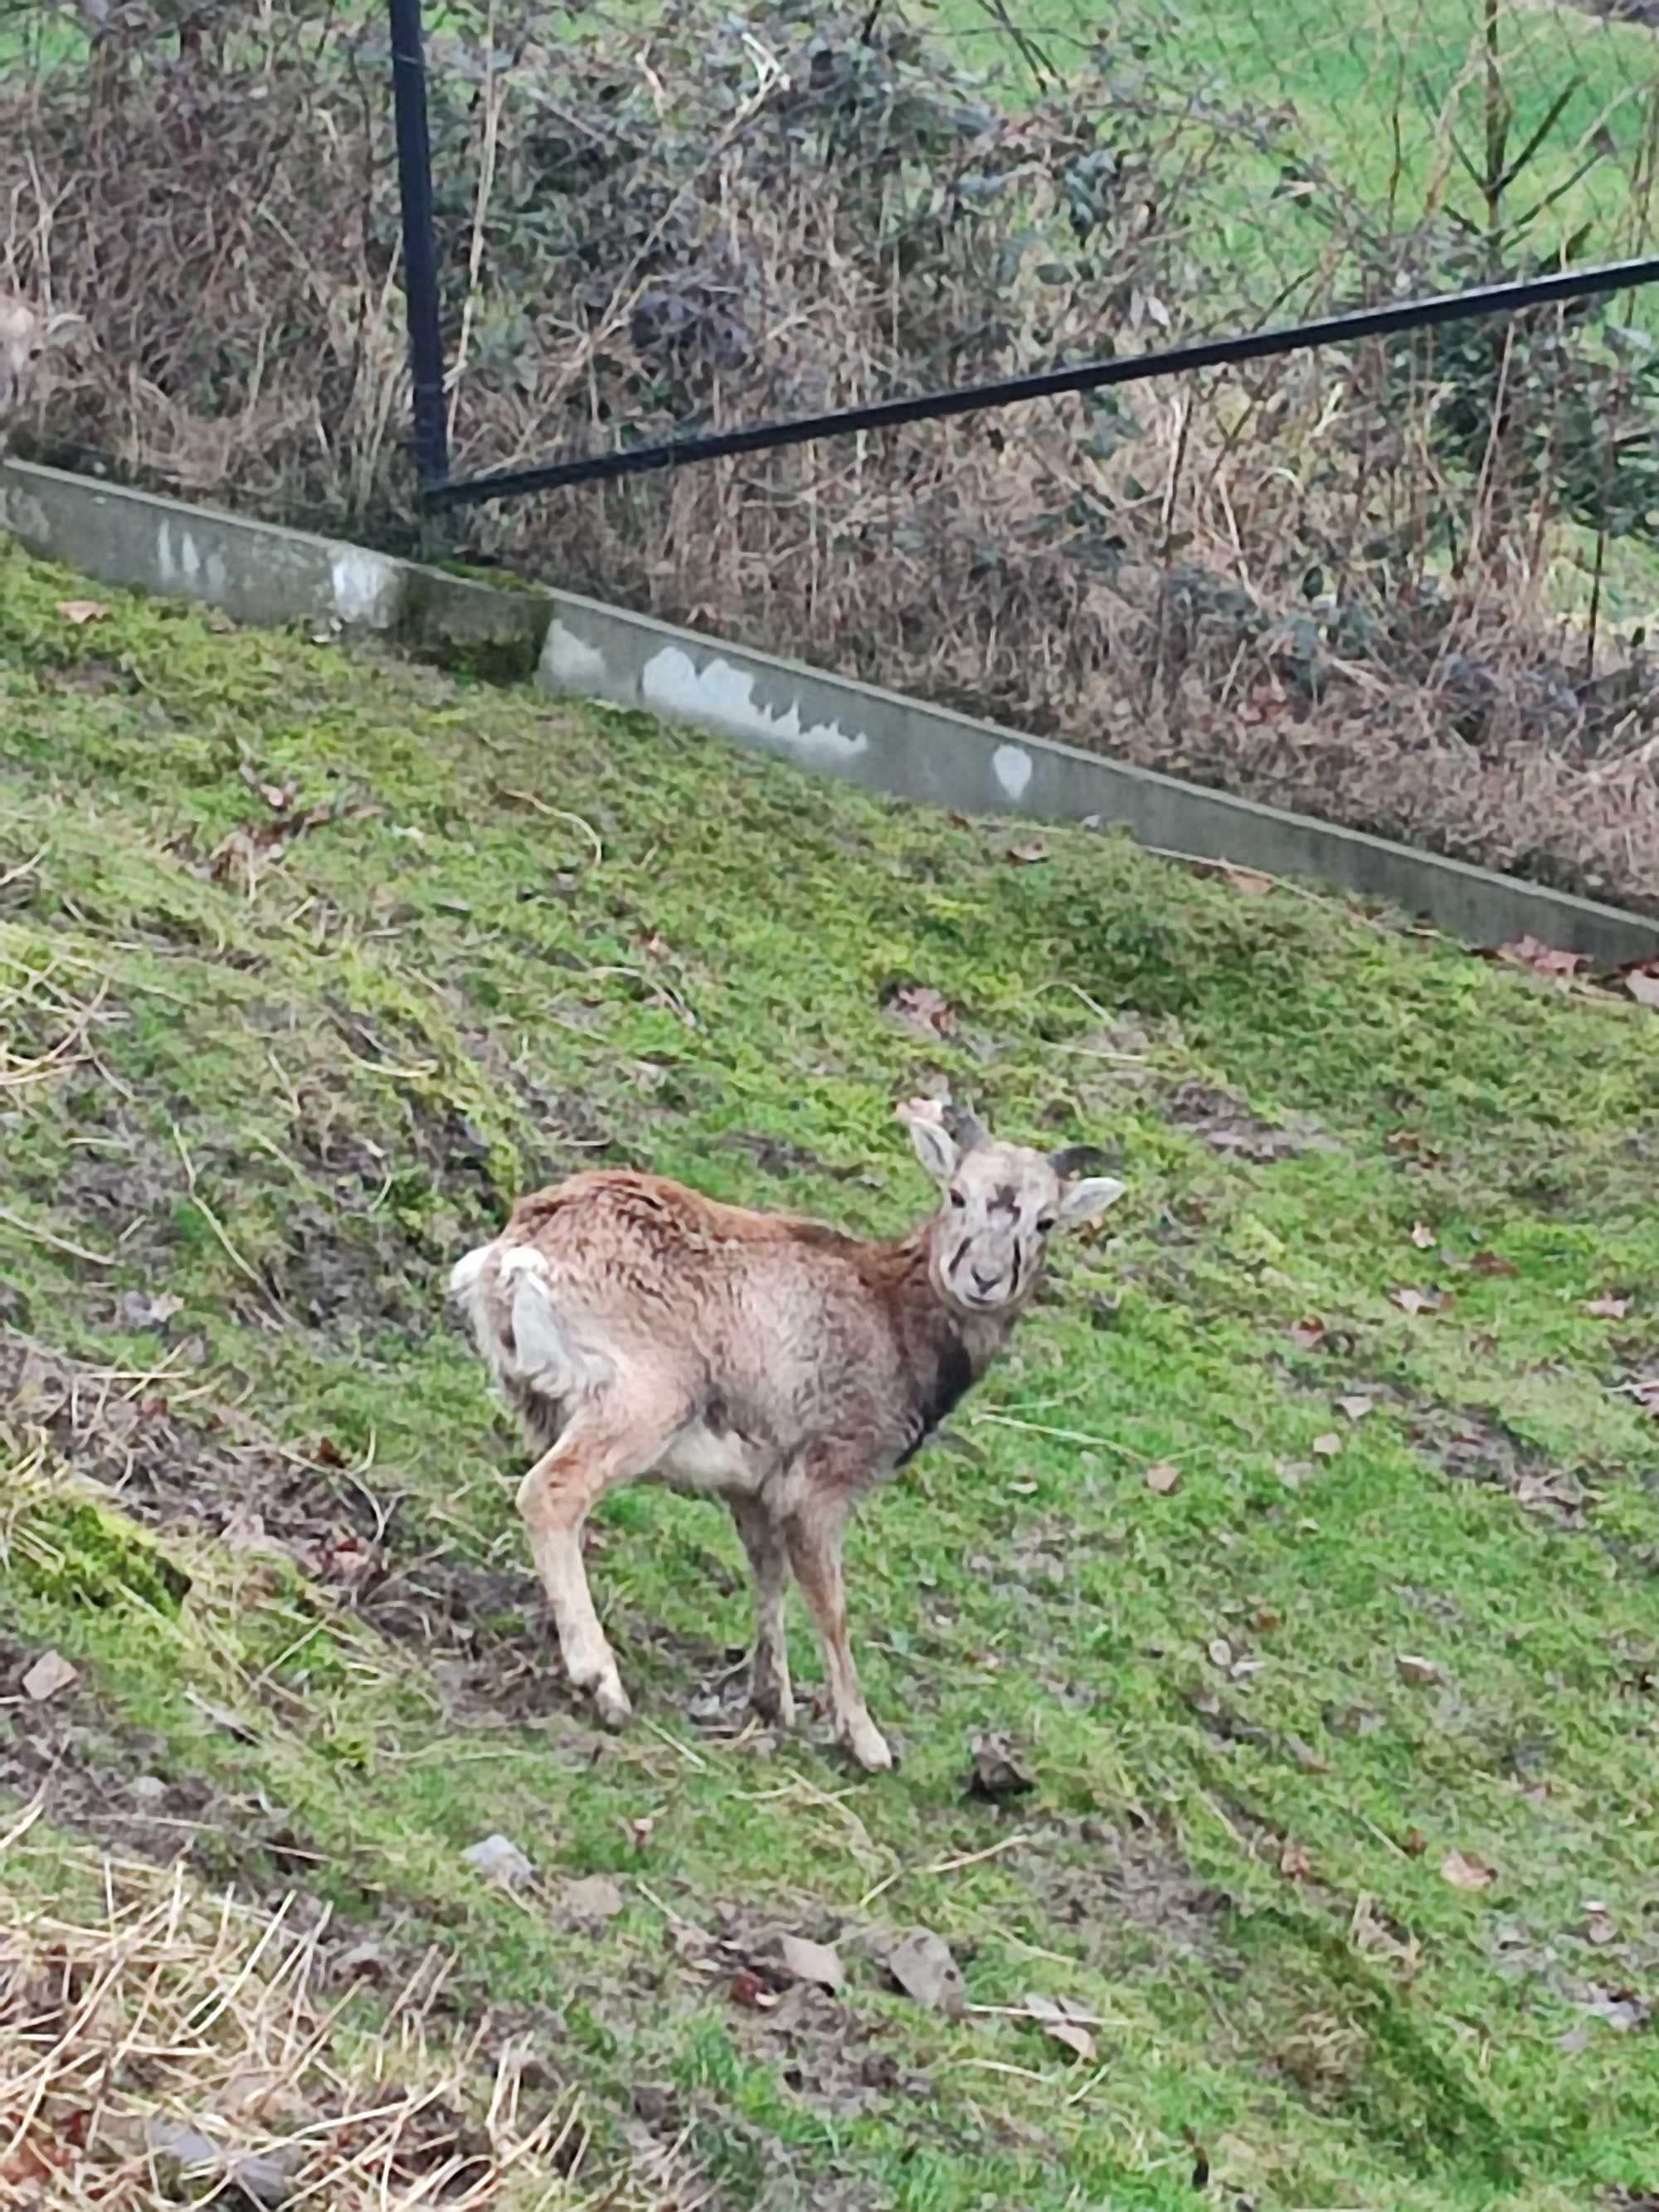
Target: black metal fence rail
column 439, row 491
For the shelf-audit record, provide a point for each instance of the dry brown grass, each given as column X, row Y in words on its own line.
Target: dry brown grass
column 1277, row 582
column 154, row 2042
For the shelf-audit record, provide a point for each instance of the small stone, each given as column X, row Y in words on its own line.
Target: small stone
column 500, row 1857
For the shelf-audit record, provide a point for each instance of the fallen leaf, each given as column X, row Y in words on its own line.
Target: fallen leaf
column 1422, row 1236
column 1057, row 2020
column 1307, row 1335
column 1293, row 1862
column 1305, row 1756
column 1421, row 1674
column 500, row 1858
column 1414, row 1842
column 50, row 1673
column 807, row 1961
column 1546, row 960
column 1325, row 1447
column 591, row 1900
column 997, row 1773
column 1416, row 1302
column 1492, row 1263
column 1164, row 1477
column 1607, row 1308
column 638, row 1829
column 135, row 1310
column 1465, row 1870
column 746, row 1988
column 1643, row 984
column 924, row 1969
column 1622, row 2009
column 1356, row 1407
column 1248, row 880
column 1028, row 856
column 81, row 611
column 921, row 1009
column 244, row 1530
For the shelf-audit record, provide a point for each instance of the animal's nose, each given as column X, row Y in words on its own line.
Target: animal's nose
column 984, row 1282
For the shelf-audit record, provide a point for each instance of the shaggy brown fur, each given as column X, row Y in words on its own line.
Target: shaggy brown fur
column 642, row 1329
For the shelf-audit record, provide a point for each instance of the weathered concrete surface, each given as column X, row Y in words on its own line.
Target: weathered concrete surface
column 259, row 572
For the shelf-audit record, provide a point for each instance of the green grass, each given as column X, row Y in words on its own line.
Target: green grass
column 289, row 1102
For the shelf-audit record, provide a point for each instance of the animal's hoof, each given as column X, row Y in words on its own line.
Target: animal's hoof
column 611, row 1703
column 870, row 1747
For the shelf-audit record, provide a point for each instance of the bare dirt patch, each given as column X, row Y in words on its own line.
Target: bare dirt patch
column 1130, row 1895
column 479, row 1630
column 1480, row 1447
column 115, row 1785
column 1227, row 1125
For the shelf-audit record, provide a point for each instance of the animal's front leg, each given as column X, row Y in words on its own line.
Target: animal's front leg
column 814, row 1533
column 768, row 1558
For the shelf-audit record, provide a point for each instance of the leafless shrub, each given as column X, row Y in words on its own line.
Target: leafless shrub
column 1327, row 581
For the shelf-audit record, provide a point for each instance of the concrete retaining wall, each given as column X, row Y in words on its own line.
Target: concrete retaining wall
column 259, row 573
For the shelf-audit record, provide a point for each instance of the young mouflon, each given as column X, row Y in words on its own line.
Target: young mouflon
column 640, row 1329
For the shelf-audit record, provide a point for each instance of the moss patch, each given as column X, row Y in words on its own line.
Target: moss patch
column 1384, row 1291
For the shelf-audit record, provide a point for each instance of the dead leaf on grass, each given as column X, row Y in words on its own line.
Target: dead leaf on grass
column 922, row 1966
column 1307, row 1335
column 500, row 1858
column 997, row 1771
column 819, row 1963
column 1545, row 960
column 591, row 1900
column 1056, row 2020
column 1418, row 1673
column 1250, row 881
column 1164, row 1477
column 1293, row 1861
column 1607, row 1307
column 1643, row 984
column 1028, row 855
column 1422, row 1236
column 1356, row 1407
column 1467, row 1870
column 1413, row 1301
column 1325, row 1447
column 1490, row 1263
column 50, row 1673
column 922, row 1010
column 747, row 1988
column 82, row 611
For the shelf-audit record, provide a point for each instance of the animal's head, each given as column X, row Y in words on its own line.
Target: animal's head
column 26, row 336
column 1002, row 1204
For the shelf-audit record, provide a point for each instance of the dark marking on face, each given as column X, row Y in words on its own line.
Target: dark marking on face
column 716, row 1414
column 1005, row 1201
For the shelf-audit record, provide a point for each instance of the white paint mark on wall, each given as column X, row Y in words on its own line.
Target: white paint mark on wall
column 366, row 587
column 724, row 696
column 570, row 663
column 184, row 568
column 1012, row 764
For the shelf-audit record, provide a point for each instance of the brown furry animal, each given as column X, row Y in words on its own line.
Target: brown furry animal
column 640, row 1329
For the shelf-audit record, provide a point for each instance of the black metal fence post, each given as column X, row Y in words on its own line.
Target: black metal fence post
column 425, row 349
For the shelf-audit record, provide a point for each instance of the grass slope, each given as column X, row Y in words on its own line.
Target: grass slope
column 252, row 1108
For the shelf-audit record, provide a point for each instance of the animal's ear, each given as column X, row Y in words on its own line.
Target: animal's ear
column 1082, row 1201
column 936, row 1148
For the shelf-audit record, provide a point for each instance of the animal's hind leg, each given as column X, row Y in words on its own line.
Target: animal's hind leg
column 769, row 1692
column 605, row 1443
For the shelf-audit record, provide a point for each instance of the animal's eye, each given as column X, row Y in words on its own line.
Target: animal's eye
column 956, row 1199
column 1045, row 1223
